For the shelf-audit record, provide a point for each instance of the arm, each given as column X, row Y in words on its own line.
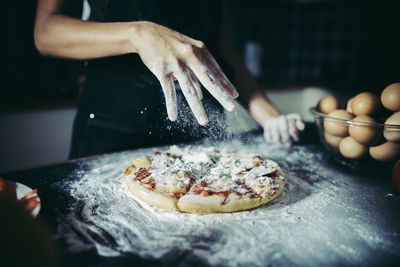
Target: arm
column 168, row 54
column 259, row 105
column 277, row 127
column 64, row 36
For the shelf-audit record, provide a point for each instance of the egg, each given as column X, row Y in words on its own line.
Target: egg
column 332, row 140
column 337, row 127
column 392, row 133
column 388, row 151
column 396, row 175
column 365, row 104
column 351, row 149
column 328, row 104
column 390, row 97
column 348, row 106
column 364, row 133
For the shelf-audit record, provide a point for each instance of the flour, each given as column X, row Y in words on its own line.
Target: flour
column 309, row 223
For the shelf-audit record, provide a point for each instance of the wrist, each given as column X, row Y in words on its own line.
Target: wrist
column 136, row 34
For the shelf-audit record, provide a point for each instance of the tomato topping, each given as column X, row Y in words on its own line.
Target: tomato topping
column 142, row 173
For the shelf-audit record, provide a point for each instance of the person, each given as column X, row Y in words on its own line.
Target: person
column 25, row 240
column 143, row 55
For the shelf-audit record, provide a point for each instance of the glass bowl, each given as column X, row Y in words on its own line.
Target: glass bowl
column 359, row 145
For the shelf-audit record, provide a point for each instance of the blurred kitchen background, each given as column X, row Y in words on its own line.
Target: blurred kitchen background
column 299, row 50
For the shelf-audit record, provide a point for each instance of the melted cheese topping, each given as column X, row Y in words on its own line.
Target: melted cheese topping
column 207, row 170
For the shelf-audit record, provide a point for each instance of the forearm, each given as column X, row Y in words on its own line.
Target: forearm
column 258, row 104
column 261, row 108
column 62, row 36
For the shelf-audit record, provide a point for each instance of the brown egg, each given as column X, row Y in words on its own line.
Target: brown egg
column 363, row 133
column 332, row 140
column 365, row 104
column 328, row 104
column 392, row 133
column 390, row 97
column 388, row 151
column 348, row 106
column 351, row 149
column 337, row 127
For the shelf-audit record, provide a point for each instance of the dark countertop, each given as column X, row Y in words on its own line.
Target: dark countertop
column 327, row 215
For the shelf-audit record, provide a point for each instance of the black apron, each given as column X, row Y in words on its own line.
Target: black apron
column 122, row 105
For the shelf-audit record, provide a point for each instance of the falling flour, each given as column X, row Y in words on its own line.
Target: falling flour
column 317, row 220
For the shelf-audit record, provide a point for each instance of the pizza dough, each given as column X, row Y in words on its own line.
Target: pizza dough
column 204, row 180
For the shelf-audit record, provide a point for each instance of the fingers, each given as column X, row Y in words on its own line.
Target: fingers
column 293, row 132
column 270, row 132
column 165, row 51
column 215, row 81
column 210, row 83
column 196, row 84
column 216, row 71
column 267, row 135
column 167, row 84
column 300, row 125
column 283, row 129
column 274, row 132
column 298, row 120
column 296, row 125
column 192, row 97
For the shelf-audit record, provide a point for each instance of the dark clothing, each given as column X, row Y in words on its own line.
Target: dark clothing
column 122, row 105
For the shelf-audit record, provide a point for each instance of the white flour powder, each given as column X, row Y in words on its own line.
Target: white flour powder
column 317, row 220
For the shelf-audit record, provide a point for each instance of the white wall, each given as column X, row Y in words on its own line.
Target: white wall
column 29, row 138
column 297, row 100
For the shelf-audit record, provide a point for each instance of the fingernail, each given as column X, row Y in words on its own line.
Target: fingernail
column 288, row 144
column 203, row 121
column 172, row 117
column 230, row 106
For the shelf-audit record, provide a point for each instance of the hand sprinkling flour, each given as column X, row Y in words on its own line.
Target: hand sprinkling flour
column 175, row 56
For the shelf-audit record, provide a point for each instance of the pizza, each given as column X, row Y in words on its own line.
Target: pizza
column 204, row 179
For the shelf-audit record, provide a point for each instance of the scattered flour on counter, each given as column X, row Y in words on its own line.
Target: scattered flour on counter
column 311, row 222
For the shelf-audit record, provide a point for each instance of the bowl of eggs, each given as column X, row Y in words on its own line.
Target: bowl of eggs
column 365, row 134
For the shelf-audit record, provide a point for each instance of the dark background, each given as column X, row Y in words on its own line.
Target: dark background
column 346, row 46
column 27, row 78
column 342, row 45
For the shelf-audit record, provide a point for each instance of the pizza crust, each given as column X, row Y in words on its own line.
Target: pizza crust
column 153, row 198
column 199, row 204
column 219, row 204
